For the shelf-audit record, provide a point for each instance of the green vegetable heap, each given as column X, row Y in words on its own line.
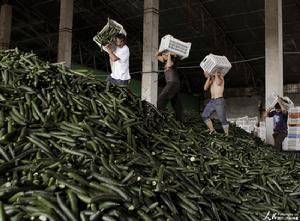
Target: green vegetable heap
column 75, row 148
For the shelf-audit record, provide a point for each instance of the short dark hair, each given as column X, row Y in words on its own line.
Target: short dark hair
column 277, row 106
column 121, row 36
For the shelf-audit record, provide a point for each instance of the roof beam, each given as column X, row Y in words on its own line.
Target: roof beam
column 230, row 43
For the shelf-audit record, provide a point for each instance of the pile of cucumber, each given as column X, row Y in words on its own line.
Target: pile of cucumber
column 75, row 148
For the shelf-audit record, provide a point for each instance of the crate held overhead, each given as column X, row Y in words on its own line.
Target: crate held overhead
column 170, row 44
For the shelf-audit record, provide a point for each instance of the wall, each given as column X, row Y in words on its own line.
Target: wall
column 242, row 106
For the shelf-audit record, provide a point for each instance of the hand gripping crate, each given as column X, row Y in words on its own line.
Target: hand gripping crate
column 169, row 43
column 288, row 102
column 110, row 24
column 273, row 99
column 212, row 62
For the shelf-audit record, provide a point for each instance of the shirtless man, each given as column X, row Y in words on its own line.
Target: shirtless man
column 217, row 102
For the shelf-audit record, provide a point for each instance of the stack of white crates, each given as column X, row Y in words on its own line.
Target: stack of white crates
column 292, row 142
column 294, row 117
column 249, row 124
column 170, row 44
column 212, row 62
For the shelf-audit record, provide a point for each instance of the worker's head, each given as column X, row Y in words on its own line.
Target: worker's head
column 166, row 54
column 120, row 40
column 217, row 72
column 277, row 107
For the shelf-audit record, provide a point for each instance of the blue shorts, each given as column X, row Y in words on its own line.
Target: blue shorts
column 117, row 81
column 216, row 105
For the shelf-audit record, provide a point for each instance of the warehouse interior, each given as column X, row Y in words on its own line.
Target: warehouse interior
column 79, row 144
column 232, row 28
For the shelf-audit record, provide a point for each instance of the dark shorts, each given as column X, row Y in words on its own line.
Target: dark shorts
column 117, row 81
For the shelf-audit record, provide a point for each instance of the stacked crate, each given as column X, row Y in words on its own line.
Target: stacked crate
column 292, row 142
column 251, row 125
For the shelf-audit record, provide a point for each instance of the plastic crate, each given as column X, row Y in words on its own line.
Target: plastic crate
column 262, row 124
column 293, row 121
column 294, row 116
column 240, row 123
column 294, row 130
column 110, row 23
column 169, row 43
column 294, row 112
column 248, row 128
column 291, row 144
column 288, row 102
column 272, row 99
column 231, row 120
column 212, row 62
column 253, row 119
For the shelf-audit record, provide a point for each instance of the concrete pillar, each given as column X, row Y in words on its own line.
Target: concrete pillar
column 274, row 56
column 65, row 32
column 5, row 24
column 150, row 46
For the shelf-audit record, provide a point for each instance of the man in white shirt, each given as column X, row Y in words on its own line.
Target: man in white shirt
column 119, row 61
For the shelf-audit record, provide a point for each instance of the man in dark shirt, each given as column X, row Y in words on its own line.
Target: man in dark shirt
column 280, row 116
column 171, row 91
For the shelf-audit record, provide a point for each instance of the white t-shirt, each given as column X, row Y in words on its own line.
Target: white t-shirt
column 120, row 68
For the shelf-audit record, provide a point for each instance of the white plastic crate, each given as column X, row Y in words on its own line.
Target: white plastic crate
column 272, row 99
column 110, row 22
column 293, row 121
column 288, row 102
column 252, row 123
column 245, row 118
column 294, row 112
column 212, row 62
column 231, row 120
column 169, row 43
column 295, row 135
column 294, row 130
column 262, row 124
column 240, row 123
column 294, row 116
column 248, row 128
column 252, row 119
column 291, row 144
